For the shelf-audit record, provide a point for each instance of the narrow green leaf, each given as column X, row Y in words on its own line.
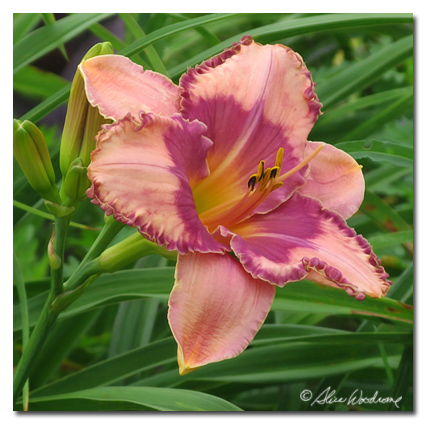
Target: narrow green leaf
column 402, row 289
column 61, row 96
column 293, row 27
column 403, row 382
column 164, row 352
column 49, row 19
column 361, row 74
column 383, row 213
column 396, row 109
column 106, row 35
column 46, row 106
column 308, row 296
column 138, row 33
column 109, row 289
column 283, row 333
column 34, row 287
column 383, row 175
column 132, row 399
column 377, row 99
column 379, row 151
column 33, row 82
column 18, row 282
column 114, row 369
column 391, row 239
column 281, row 363
column 158, row 282
column 63, row 338
column 43, row 40
column 169, row 30
column 206, row 34
column 23, row 303
column 386, row 365
column 290, row 28
column 49, row 216
column 133, row 325
column 23, row 23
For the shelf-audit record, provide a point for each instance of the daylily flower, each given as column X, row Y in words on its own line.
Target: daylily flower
column 219, row 168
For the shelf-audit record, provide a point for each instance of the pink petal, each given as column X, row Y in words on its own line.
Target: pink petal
column 300, row 239
column 336, row 179
column 118, row 86
column 254, row 99
column 142, row 172
column 216, row 308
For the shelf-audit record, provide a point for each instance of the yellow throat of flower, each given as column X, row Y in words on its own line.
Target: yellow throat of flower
column 260, row 185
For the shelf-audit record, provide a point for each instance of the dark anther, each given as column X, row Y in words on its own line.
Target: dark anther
column 252, row 182
column 274, row 172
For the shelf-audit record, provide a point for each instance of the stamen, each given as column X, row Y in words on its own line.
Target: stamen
column 258, row 176
column 279, row 158
column 265, row 180
column 260, row 185
column 252, row 182
column 274, row 171
column 260, row 170
column 301, row 165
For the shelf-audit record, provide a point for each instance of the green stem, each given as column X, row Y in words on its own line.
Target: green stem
column 88, row 266
column 82, row 274
column 53, row 306
column 47, row 316
column 64, row 300
column 38, row 336
column 61, row 228
column 115, row 257
column 20, row 286
column 45, row 215
column 108, row 232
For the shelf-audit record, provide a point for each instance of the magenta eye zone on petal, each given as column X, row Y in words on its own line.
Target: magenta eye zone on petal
column 221, row 163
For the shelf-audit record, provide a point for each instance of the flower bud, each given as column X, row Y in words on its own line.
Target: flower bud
column 129, row 250
column 76, row 183
column 33, row 157
column 82, row 121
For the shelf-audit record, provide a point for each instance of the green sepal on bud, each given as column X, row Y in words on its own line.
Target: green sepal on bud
column 30, row 148
column 76, row 183
column 82, row 121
